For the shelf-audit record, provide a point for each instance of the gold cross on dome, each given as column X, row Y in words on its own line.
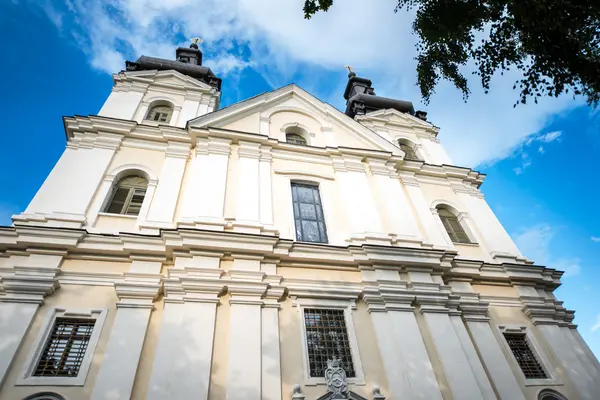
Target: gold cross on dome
column 348, row 67
column 196, row 40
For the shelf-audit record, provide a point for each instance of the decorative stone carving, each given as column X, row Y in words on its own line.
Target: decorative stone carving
column 335, row 377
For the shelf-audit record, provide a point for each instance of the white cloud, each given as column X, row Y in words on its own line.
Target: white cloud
column 281, row 43
column 595, row 239
column 535, row 243
column 541, row 150
column 597, row 324
column 550, row 137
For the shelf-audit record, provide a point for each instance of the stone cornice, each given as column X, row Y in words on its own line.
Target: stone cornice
column 77, row 243
column 26, row 284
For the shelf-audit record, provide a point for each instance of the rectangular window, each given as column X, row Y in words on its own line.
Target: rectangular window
column 526, row 358
column 326, row 339
column 65, row 347
column 308, row 213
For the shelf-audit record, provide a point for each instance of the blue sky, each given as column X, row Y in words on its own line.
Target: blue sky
column 540, row 159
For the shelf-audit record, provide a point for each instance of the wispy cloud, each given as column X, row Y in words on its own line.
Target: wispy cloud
column 525, row 159
column 597, row 324
column 280, row 45
column 595, row 239
column 535, row 243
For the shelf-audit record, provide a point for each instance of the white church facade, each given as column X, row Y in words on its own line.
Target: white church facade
column 274, row 249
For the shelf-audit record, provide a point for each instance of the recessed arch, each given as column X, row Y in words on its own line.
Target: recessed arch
column 285, row 108
column 133, row 169
column 549, row 394
column 45, row 396
column 160, row 111
column 410, row 149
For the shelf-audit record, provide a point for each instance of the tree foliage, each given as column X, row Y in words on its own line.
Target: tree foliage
column 554, row 43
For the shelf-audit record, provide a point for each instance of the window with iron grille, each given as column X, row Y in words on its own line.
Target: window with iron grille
column 295, row 139
column 526, row 358
column 453, row 227
column 128, row 196
column 308, row 213
column 65, row 347
column 326, row 339
column 160, row 113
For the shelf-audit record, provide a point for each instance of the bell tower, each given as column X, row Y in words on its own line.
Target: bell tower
column 155, row 90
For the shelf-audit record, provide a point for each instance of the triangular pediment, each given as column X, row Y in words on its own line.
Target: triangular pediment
column 393, row 118
column 169, row 79
column 273, row 112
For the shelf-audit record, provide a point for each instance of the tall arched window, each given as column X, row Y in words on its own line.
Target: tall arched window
column 409, row 151
column 128, row 196
column 160, row 113
column 453, row 227
column 296, row 135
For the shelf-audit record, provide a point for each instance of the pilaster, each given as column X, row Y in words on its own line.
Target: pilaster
column 25, row 285
column 246, row 287
column 136, row 294
column 271, row 357
column 203, row 199
column 407, row 365
column 362, row 213
column 64, row 197
column 165, row 198
column 433, row 302
column 192, row 290
column 247, row 217
column 400, row 221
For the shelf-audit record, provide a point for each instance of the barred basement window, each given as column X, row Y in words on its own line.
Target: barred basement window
column 128, row 196
column 326, row 339
column 65, row 348
column 453, row 227
column 160, row 113
column 308, row 213
column 531, row 367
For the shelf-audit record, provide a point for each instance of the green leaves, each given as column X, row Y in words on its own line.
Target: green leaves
column 554, row 43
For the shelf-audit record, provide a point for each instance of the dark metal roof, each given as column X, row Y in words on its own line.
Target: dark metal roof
column 198, row 72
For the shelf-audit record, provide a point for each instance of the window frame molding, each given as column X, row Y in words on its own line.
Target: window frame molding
column 305, row 132
column 26, row 377
column 463, row 219
column 550, row 371
column 41, row 395
column 330, row 304
column 318, row 182
column 128, row 200
column 159, row 102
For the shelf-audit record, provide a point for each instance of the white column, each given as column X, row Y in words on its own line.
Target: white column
column 31, row 279
column 271, row 357
column 248, row 185
column 72, row 183
column 244, row 369
column 493, row 358
column 119, row 366
column 266, row 188
column 398, row 212
column 204, row 195
column 192, row 292
column 122, row 102
column 165, row 198
column 15, row 319
column 579, row 375
column 422, row 208
column 361, row 208
column 448, row 346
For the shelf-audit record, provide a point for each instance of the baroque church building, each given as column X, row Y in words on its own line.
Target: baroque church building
column 274, row 249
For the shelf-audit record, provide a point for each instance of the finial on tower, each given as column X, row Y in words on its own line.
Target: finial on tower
column 350, row 72
column 195, row 41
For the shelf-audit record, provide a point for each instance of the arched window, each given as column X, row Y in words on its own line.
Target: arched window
column 160, row 113
column 549, row 394
column 409, row 151
column 296, row 135
column 128, row 196
column 45, row 396
column 453, row 227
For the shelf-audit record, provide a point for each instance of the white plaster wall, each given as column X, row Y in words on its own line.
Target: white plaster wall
column 121, row 104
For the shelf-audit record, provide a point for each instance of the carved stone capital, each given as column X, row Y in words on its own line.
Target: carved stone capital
column 29, row 284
